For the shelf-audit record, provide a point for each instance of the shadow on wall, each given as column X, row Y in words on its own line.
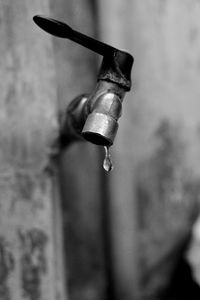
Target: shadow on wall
column 81, row 166
column 167, row 205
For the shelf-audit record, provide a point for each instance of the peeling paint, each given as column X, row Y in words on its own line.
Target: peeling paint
column 6, row 266
column 33, row 262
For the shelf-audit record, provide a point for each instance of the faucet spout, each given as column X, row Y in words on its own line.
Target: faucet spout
column 93, row 117
column 105, row 104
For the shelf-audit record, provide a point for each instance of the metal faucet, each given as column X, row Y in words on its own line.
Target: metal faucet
column 94, row 117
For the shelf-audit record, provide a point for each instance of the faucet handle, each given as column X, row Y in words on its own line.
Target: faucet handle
column 62, row 30
column 117, row 64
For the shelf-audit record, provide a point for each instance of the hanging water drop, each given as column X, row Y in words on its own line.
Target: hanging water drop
column 107, row 163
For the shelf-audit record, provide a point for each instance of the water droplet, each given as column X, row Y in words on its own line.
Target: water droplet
column 107, row 163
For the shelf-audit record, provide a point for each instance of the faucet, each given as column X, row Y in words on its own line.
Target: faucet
column 94, row 117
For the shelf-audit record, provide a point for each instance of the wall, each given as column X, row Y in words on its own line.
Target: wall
column 81, row 167
column 30, row 253
column 154, row 189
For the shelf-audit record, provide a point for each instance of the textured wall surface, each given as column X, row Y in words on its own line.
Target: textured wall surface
column 76, row 70
column 29, row 253
column 155, row 186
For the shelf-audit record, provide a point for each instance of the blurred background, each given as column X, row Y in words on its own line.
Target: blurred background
column 68, row 229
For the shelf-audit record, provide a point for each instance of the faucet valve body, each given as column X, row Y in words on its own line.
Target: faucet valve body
column 101, row 124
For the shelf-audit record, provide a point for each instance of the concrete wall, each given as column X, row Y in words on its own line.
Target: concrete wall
column 30, row 253
column 81, row 166
column 153, row 192
column 155, row 186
